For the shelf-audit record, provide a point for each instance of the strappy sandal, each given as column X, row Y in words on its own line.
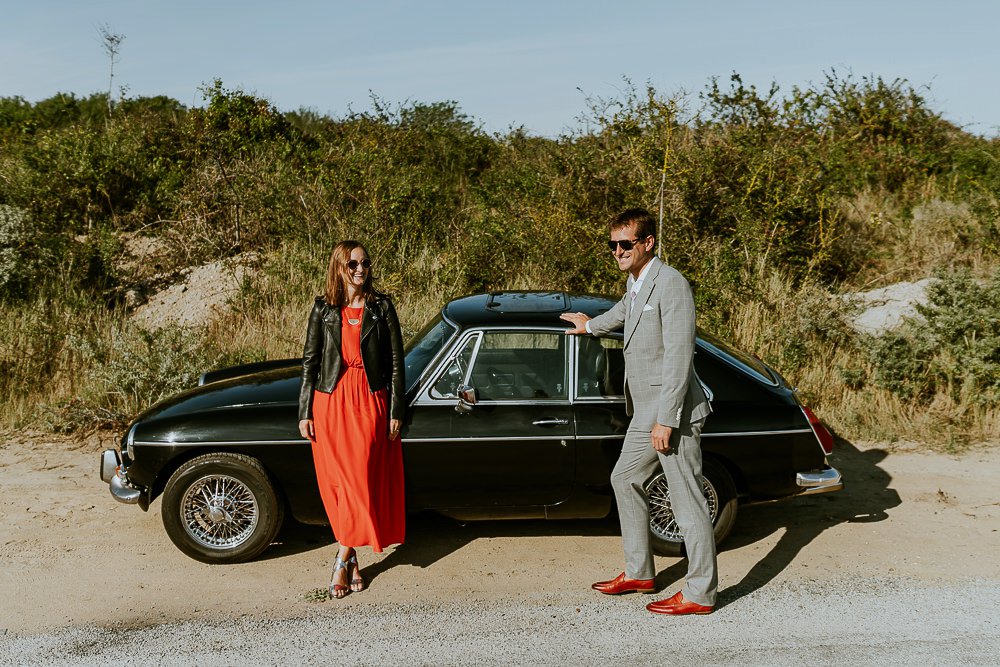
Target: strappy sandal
column 358, row 582
column 338, row 591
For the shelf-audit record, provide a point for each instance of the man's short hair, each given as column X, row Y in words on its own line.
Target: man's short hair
column 645, row 223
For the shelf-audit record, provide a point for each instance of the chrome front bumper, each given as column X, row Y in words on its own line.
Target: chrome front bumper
column 822, row 481
column 114, row 474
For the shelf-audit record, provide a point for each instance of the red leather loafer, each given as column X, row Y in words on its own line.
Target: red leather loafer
column 678, row 606
column 620, row 585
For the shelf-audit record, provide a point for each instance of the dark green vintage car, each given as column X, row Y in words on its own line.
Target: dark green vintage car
column 508, row 418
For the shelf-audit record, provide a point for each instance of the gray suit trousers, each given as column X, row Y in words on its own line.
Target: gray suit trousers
column 682, row 467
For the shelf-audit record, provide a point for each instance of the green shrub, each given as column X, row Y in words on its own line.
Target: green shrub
column 771, row 200
column 130, row 369
column 953, row 349
column 18, row 243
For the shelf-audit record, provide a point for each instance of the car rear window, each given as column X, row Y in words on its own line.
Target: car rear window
column 749, row 365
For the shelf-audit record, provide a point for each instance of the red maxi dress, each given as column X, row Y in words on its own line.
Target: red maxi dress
column 359, row 469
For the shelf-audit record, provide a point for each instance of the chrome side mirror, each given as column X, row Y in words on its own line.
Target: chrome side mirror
column 467, row 398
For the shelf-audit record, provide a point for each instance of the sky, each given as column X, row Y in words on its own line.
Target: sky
column 517, row 63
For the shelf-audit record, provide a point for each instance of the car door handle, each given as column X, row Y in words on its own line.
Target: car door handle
column 550, row 421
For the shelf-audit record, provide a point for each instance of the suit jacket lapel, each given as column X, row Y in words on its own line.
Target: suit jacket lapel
column 633, row 315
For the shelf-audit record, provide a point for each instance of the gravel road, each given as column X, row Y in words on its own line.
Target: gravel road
column 858, row 622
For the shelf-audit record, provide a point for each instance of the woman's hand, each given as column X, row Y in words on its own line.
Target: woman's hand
column 307, row 430
column 394, row 426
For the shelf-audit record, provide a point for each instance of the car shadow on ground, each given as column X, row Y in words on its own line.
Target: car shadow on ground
column 295, row 538
column 431, row 537
column 866, row 498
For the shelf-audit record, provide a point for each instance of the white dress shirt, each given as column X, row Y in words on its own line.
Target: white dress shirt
column 635, row 284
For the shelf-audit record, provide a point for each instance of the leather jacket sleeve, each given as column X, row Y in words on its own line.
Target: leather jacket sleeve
column 397, row 388
column 312, row 358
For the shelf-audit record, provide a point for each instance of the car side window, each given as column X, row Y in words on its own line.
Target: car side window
column 455, row 374
column 517, row 365
column 600, row 368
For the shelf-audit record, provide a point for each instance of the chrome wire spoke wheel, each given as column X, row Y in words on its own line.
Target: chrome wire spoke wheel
column 661, row 515
column 219, row 511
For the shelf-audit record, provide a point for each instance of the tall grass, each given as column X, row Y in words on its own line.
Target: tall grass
column 775, row 205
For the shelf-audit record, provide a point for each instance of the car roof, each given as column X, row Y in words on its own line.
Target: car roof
column 523, row 308
column 537, row 308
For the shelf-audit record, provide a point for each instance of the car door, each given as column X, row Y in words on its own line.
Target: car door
column 511, row 453
column 599, row 406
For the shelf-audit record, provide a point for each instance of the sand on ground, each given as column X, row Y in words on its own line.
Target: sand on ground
column 70, row 555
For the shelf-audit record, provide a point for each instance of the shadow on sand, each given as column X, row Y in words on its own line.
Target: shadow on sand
column 866, row 497
column 431, row 537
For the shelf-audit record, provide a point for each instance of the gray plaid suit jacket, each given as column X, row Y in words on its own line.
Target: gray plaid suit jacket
column 659, row 348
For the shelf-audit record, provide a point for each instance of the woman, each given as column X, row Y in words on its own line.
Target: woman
column 351, row 409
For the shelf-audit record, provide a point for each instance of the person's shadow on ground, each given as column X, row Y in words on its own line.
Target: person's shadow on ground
column 866, row 497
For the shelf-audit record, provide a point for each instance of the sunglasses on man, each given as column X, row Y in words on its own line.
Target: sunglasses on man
column 353, row 264
column 625, row 244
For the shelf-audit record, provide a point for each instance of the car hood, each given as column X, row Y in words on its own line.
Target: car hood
column 271, row 387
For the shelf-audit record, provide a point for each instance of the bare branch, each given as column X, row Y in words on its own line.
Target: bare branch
column 112, row 43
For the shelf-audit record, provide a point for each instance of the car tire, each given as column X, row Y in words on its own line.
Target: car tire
column 720, row 491
column 221, row 508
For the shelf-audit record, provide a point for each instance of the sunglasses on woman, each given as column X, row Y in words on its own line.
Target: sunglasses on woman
column 353, row 264
column 625, row 244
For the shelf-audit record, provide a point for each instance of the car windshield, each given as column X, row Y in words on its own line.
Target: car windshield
column 424, row 346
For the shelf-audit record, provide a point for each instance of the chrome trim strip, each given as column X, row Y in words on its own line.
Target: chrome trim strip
column 223, row 442
column 444, row 316
column 709, row 394
column 466, row 379
column 573, row 350
column 526, row 328
column 451, row 400
column 498, row 437
column 493, row 439
column 741, row 433
column 542, row 402
column 703, row 435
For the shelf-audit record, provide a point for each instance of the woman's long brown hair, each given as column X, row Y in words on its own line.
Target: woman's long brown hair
column 336, row 275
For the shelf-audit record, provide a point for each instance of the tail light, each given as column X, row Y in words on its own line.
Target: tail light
column 822, row 434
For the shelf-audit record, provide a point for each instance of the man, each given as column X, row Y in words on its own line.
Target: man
column 668, row 409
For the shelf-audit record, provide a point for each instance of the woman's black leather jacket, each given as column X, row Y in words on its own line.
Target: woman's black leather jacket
column 381, row 352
